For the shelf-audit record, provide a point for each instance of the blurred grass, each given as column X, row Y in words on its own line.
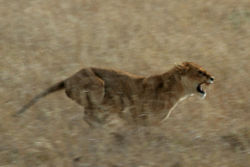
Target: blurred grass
column 42, row 42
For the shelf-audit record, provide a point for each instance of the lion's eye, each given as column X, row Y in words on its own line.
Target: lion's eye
column 200, row 72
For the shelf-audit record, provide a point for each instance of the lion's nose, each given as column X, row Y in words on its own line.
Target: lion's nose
column 211, row 79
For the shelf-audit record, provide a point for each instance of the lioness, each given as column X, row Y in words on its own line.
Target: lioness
column 138, row 99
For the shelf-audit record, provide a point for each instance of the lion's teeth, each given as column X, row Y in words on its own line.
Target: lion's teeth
column 204, row 95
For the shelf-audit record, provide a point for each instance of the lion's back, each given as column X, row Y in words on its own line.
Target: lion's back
column 119, row 81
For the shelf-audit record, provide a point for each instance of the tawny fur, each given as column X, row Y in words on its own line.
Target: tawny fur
column 136, row 99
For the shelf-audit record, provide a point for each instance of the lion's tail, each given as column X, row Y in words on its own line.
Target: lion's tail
column 51, row 89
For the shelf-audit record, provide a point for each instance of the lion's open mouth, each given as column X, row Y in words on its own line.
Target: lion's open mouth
column 200, row 89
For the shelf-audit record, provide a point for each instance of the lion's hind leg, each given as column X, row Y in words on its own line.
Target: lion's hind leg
column 94, row 117
column 85, row 88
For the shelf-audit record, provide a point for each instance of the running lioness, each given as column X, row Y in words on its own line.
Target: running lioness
column 138, row 99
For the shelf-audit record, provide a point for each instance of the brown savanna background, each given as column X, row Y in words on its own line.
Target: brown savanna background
column 45, row 41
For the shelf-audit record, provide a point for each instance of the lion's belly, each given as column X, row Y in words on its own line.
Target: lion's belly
column 134, row 111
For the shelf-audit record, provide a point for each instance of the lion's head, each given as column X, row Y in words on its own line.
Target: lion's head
column 195, row 77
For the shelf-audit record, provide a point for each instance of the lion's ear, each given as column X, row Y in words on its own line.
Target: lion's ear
column 186, row 65
column 181, row 68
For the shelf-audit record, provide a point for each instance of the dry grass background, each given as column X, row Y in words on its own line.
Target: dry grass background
column 44, row 41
